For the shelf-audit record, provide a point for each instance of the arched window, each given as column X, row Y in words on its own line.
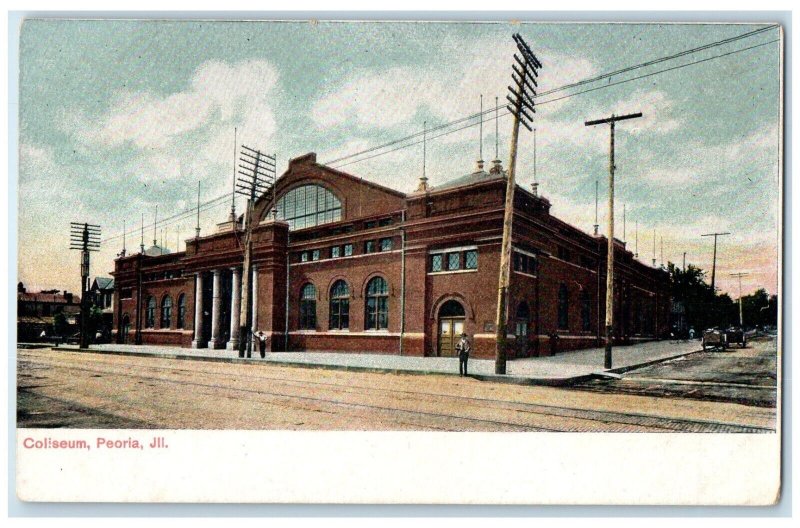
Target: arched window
column 339, row 306
column 308, row 307
column 150, row 313
column 523, row 318
column 166, row 312
column 377, row 307
column 308, row 206
column 563, row 307
column 181, row 310
column 586, row 311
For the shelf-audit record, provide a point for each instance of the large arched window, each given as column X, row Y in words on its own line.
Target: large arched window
column 339, row 306
column 563, row 307
column 308, row 206
column 181, row 310
column 308, row 307
column 166, row 311
column 377, row 307
column 150, row 313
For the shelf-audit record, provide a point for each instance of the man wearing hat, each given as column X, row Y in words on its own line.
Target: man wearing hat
column 262, row 342
column 463, row 348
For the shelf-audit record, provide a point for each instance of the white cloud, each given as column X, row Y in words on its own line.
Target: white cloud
column 218, row 93
column 383, row 99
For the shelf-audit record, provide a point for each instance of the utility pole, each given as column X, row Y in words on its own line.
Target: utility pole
column 596, row 199
column 684, row 262
column 637, row 240
column 741, row 313
column 610, row 259
column 84, row 238
column 521, row 106
column 257, row 177
column 714, row 261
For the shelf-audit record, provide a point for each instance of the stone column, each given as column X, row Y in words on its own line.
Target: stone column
column 198, row 342
column 216, row 306
column 236, row 305
column 254, row 320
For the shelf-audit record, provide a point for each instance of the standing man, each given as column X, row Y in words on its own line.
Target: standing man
column 463, row 348
column 262, row 342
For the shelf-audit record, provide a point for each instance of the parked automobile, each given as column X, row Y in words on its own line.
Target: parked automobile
column 714, row 338
column 736, row 335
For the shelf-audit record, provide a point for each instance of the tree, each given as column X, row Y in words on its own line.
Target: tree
column 60, row 324
column 704, row 308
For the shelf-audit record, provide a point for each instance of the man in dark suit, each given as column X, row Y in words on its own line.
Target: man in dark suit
column 463, row 348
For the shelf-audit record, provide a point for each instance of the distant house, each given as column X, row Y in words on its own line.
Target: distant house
column 102, row 293
column 36, row 312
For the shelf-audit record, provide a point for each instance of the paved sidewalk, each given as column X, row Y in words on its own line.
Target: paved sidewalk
column 561, row 369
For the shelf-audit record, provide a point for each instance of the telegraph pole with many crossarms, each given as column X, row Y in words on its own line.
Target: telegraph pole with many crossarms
column 257, row 177
column 610, row 259
column 85, row 238
column 521, row 107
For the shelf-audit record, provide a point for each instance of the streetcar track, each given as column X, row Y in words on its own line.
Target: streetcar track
column 635, row 419
column 543, row 409
column 335, row 402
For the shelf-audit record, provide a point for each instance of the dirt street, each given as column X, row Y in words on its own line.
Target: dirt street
column 738, row 375
column 88, row 390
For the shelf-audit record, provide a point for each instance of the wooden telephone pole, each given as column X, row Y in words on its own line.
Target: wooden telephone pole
column 741, row 312
column 714, row 261
column 610, row 260
column 521, row 104
column 84, row 238
column 257, row 172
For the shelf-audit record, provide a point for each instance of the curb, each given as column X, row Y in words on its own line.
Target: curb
column 515, row 380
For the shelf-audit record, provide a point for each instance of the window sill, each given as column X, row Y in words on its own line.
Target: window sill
column 450, row 272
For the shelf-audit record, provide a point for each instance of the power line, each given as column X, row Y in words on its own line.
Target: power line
column 570, row 85
column 556, row 99
column 223, row 198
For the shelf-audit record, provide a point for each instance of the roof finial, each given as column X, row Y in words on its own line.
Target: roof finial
column 497, row 165
column 423, row 181
column 480, row 142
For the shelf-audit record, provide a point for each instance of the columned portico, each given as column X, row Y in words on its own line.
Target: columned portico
column 198, row 341
column 236, row 303
column 216, row 307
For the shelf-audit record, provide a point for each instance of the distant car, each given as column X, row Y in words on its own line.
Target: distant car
column 714, row 338
column 736, row 335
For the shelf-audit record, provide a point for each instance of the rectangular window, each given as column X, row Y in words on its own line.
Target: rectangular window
column 336, row 252
column 348, row 250
column 369, row 246
column 370, row 225
column 386, row 244
column 315, row 255
column 436, row 262
column 385, row 222
column 304, row 256
column 563, row 253
column 453, row 261
column 471, row 259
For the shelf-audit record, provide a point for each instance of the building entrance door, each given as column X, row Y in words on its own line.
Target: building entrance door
column 451, row 325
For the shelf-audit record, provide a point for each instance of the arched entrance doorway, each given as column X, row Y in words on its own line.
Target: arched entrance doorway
column 451, row 325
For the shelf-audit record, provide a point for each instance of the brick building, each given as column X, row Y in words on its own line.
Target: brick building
column 349, row 265
column 36, row 313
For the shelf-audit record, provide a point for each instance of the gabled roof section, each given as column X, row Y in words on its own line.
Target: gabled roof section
column 480, row 176
column 103, row 283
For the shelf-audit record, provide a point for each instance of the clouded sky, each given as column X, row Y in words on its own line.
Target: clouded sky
column 119, row 117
